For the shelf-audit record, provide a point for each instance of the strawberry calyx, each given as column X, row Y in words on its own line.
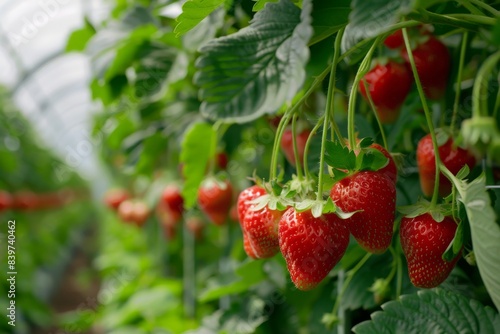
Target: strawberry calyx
column 479, row 133
column 422, row 206
column 345, row 162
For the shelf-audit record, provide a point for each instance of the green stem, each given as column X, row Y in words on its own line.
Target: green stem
column 274, row 159
column 298, row 163
column 486, row 7
column 481, row 85
column 463, row 51
column 470, row 7
column 348, row 280
column 374, row 109
column 363, row 68
column 425, row 16
column 399, row 278
column 428, row 117
column 329, row 110
column 308, row 142
column 479, row 19
column 497, row 104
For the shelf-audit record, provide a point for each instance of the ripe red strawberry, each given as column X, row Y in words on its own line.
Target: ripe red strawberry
column 261, row 228
column 311, row 246
column 215, row 200
column 173, row 202
column 389, row 85
column 287, row 145
column 432, row 60
column 424, row 241
column 453, row 158
column 374, row 194
column 222, row 160
column 114, row 197
column 395, row 40
column 243, row 205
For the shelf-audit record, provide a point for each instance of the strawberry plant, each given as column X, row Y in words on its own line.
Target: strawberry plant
column 371, row 119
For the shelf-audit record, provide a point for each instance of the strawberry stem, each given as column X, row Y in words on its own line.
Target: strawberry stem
column 308, row 142
column 428, row 117
column 189, row 272
column 281, row 127
column 350, row 275
column 374, row 109
column 363, row 69
column 295, row 148
column 329, row 110
column 486, row 7
column 479, row 91
column 463, row 50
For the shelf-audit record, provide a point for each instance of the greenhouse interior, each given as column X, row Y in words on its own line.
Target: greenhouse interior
column 249, row 166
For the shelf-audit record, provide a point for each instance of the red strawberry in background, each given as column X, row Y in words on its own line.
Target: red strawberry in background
column 375, row 195
column 311, row 246
column 222, row 160
column 388, row 84
column 214, row 199
column 5, row 201
column 396, row 39
column 432, row 60
column 287, row 145
column 243, row 205
column 114, row 197
column 454, row 158
column 195, row 225
column 172, row 200
column 424, row 241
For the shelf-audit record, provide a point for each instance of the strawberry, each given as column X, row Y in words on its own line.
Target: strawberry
column 424, row 241
column 311, row 246
column 173, row 202
column 222, row 160
column 136, row 212
column 261, row 228
column 214, row 199
column 395, row 40
column 432, row 60
column 388, row 84
column 287, row 144
column 114, row 197
column 454, row 158
column 374, row 194
column 243, row 205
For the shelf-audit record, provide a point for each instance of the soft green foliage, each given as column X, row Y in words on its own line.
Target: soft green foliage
column 193, row 12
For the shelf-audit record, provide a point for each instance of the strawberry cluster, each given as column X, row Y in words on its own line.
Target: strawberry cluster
column 389, row 81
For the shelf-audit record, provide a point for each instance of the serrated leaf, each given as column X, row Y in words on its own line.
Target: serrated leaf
column 339, row 157
column 432, row 311
column 193, row 12
column 239, row 84
column 370, row 18
column 195, row 154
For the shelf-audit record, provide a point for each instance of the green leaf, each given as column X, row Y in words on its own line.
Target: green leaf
column 248, row 274
column 193, row 12
column 254, row 71
column 370, row 18
column 78, row 39
column 432, row 311
column 365, row 142
column 371, row 159
column 423, row 4
column 153, row 147
column 495, row 34
column 456, row 244
column 485, row 233
column 328, row 17
column 339, row 157
column 195, row 154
